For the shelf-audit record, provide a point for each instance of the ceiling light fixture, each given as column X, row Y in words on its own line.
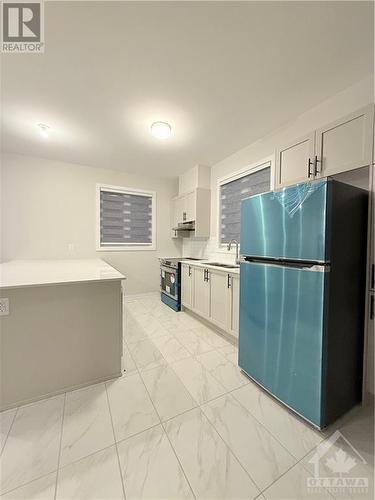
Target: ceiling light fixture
column 44, row 129
column 161, row 130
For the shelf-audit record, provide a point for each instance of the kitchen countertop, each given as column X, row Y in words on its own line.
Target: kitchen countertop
column 206, row 264
column 20, row 273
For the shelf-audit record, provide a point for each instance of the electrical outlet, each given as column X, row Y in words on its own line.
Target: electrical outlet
column 4, row 307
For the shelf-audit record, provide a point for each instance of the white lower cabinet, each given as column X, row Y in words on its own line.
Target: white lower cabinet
column 234, row 304
column 213, row 294
column 187, row 286
column 219, row 299
column 201, row 292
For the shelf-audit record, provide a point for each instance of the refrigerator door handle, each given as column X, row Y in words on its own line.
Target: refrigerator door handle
column 303, row 266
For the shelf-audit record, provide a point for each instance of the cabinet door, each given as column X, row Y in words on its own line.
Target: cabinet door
column 190, row 204
column 294, row 161
column 234, row 298
column 186, row 285
column 180, row 209
column 174, row 213
column 219, row 310
column 346, row 143
column 201, row 292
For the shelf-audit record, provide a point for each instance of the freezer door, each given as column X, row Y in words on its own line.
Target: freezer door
column 281, row 333
column 288, row 224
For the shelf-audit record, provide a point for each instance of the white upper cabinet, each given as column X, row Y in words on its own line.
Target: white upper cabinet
column 220, row 283
column 294, row 161
column 192, row 207
column 189, row 204
column 345, row 144
column 342, row 145
column 177, row 210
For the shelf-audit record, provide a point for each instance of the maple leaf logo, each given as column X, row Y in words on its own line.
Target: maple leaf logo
column 341, row 463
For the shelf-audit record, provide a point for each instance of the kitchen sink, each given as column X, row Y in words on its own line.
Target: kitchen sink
column 219, row 264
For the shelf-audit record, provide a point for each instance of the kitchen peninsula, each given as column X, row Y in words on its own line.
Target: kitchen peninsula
column 63, row 329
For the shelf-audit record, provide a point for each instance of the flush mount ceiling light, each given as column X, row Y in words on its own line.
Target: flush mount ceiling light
column 44, row 130
column 161, row 130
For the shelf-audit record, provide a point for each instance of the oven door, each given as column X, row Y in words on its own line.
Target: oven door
column 169, row 281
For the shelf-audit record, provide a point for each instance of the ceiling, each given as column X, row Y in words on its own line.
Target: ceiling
column 223, row 74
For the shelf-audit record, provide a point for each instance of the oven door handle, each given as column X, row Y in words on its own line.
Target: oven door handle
column 168, row 269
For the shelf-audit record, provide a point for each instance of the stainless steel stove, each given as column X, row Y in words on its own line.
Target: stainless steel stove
column 170, row 281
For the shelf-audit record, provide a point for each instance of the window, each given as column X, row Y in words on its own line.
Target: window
column 125, row 218
column 235, row 189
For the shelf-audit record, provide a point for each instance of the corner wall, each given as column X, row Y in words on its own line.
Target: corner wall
column 48, row 212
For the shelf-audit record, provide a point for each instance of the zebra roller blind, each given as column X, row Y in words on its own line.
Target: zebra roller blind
column 125, row 218
column 231, row 194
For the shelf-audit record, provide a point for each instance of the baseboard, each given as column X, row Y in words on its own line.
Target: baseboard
column 233, row 340
column 30, row 401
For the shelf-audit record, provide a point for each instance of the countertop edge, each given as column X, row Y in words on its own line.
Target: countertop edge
column 206, row 264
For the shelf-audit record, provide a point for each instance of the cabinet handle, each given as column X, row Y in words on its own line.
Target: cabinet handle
column 316, row 161
column 208, row 275
column 309, row 165
column 229, row 284
column 372, row 307
column 189, row 270
column 184, row 216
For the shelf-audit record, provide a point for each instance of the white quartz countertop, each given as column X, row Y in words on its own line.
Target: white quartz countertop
column 206, row 264
column 19, row 273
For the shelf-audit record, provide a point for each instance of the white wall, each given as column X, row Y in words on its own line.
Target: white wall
column 49, row 205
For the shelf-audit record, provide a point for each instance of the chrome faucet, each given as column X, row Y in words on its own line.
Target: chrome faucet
column 230, row 246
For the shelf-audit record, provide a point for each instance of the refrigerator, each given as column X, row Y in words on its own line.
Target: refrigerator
column 302, row 296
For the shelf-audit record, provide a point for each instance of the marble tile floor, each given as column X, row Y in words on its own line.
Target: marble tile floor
column 182, row 422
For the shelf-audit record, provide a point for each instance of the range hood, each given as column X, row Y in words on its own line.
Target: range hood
column 184, row 226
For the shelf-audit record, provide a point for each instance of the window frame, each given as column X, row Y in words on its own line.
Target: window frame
column 125, row 247
column 268, row 162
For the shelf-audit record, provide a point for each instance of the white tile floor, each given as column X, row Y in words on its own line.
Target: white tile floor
column 183, row 422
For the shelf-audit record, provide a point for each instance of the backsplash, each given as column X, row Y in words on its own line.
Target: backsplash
column 207, row 249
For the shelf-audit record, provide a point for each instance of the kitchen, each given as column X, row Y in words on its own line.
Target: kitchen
column 155, row 343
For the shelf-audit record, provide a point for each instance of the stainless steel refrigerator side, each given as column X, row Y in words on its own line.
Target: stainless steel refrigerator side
column 281, row 333
column 345, row 296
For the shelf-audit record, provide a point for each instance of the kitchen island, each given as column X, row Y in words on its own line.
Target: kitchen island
column 63, row 330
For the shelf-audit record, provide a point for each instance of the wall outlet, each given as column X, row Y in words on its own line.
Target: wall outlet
column 4, row 307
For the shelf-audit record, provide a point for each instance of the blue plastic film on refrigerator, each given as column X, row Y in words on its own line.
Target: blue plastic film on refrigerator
column 286, row 224
column 281, row 333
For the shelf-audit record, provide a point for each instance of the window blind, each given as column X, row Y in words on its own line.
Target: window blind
column 231, row 194
column 125, row 218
